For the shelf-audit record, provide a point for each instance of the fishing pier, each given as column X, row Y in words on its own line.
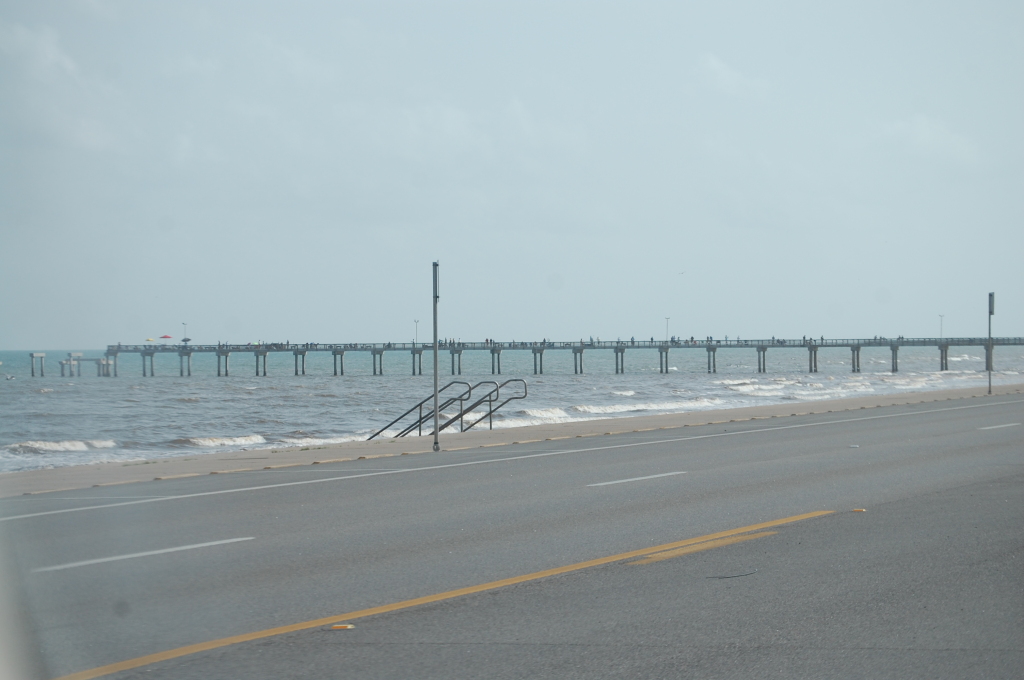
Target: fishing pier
column 108, row 365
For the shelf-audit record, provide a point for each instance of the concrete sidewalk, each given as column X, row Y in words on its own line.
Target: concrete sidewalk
column 83, row 476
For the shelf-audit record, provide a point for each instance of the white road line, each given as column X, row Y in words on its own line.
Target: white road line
column 996, row 427
column 428, row 468
column 141, row 554
column 637, row 479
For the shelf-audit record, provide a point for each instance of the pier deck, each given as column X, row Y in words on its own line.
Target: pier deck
column 108, row 366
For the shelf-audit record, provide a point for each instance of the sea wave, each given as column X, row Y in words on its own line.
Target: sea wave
column 65, row 445
column 246, row 440
column 319, row 441
column 652, row 406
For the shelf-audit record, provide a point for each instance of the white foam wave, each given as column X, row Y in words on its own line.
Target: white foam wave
column 550, row 414
column 226, row 441
column 653, row 406
column 65, row 445
column 624, row 393
column 319, row 441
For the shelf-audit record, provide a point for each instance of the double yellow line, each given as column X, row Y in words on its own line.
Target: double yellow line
column 647, row 555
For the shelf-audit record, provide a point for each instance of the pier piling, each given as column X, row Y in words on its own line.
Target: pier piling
column 152, row 369
column 895, row 357
column 226, row 355
column 620, row 359
column 184, row 357
column 762, row 359
column 495, row 357
column 712, row 359
column 300, row 353
column 378, row 361
column 339, row 361
column 812, row 358
column 855, row 359
column 663, row 359
column 457, row 361
column 577, row 360
column 42, row 357
column 538, row 352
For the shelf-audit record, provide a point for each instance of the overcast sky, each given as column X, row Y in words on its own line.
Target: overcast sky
column 272, row 171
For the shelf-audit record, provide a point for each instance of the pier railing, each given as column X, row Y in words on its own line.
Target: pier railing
column 108, row 367
column 572, row 344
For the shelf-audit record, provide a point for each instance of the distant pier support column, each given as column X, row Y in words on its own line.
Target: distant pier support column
column 184, row 363
column 300, row 353
column 812, row 358
column 152, row 371
column 577, row 360
column 855, row 359
column 339, row 361
column 495, row 360
column 111, row 364
column 457, row 360
column 663, row 359
column 762, row 359
column 712, row 359
column 943, row 357
column 378, row 361
column 261, row 354
column 417, row 361
column 226, row 355
column 620, row 359
column 74, row 364
column 895, row 357
column 42, row 357
column 538, row 355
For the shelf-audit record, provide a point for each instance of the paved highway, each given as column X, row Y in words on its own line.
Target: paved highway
column 728, row 550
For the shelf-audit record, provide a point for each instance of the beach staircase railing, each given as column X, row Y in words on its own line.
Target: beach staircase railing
column 488, row 402
column 491, row 400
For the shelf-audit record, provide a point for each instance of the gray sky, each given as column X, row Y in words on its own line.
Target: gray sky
column 273, row 171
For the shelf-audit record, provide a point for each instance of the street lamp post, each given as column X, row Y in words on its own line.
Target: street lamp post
column 988, row 357
column 666, row 327
column 417, row 340
column 437, row 444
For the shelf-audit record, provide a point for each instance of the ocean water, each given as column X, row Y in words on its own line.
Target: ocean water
column 53, row 421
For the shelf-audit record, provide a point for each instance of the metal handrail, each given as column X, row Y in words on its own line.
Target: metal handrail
column 448, row 402
column 491, row 396
column 493, row 409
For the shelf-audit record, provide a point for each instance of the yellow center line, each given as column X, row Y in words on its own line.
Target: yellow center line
column 706, row 545
column 429, row 599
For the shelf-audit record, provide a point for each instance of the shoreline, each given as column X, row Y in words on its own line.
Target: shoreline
column 30, row 482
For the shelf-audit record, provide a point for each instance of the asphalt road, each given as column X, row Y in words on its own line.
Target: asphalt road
column 928, row 582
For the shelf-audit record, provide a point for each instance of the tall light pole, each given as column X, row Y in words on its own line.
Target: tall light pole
column 184, row 333
column 437, row 444
column 666, row 327
column 417, row 322
column 988, row 355
column 940, row 325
